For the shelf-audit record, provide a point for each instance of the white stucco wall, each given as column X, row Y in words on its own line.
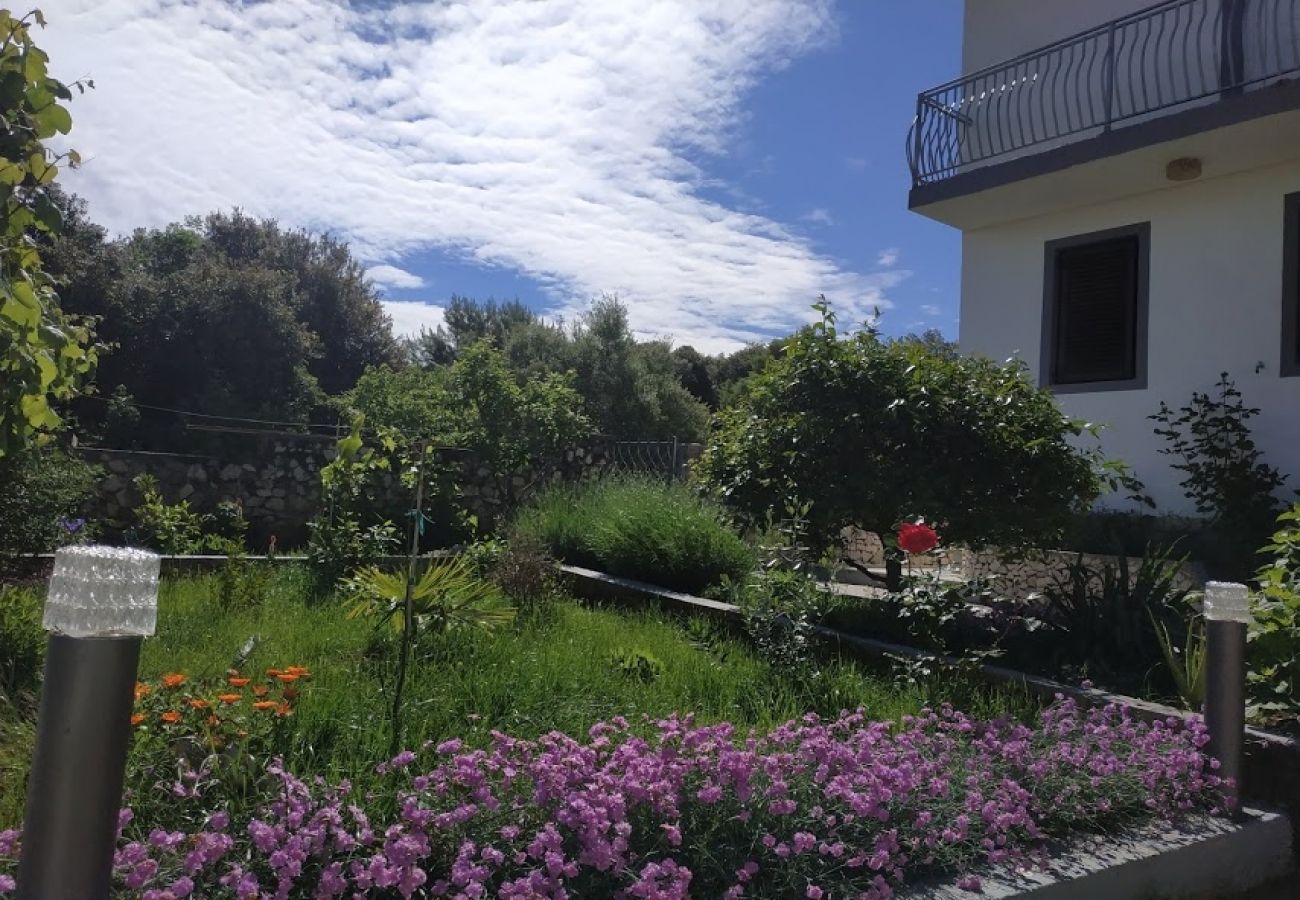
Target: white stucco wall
column 1215, row 305
column 997, row 30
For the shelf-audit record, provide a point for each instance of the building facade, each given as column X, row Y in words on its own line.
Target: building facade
column 1126, row 178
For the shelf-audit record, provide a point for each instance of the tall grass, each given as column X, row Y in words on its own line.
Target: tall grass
column 565, row 673
column 639, row 528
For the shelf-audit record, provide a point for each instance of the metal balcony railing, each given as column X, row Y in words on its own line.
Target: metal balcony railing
column 1170, row 55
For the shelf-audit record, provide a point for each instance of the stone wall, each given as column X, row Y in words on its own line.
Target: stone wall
column 1013, row 575
column 278, row 483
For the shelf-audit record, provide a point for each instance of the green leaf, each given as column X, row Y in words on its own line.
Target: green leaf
column 51, row 120
column 38, row 165
column 23, row 316
column 35, row 64
column 36, row 409
column 49, row 371
column 11, row 172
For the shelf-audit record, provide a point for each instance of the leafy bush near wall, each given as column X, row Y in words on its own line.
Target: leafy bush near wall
column 654, row 531
column 1227, row 477
column 41, row 492
column 176, row 529
column 1105, row 621
column 1273, row 672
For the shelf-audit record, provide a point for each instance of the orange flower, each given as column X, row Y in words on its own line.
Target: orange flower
column 230, row 698
column 171, row 717
column 290, row 693
column 173, row 680
column 287, row 677
column 196, row 703
column 271, row 673
column 301, row 671
column 212, row 721
column 137, row 719
column 264, row 705
column 237, row 681
column 141, row 689
column 260, row 690
column 284, row 709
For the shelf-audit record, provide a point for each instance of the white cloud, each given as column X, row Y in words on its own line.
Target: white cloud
column 888, row 257
column 819, row 215
column 410, row 317
column 553, row 138
column 930, row 309
column 393, row 277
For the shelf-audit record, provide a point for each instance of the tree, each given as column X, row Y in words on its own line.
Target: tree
column 632, row 389
column 45, row 355
column 873, row 433
column 477, row 404
column 225, row 315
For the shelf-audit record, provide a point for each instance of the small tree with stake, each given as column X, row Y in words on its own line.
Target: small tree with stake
column 872, row 432
column 448, row 595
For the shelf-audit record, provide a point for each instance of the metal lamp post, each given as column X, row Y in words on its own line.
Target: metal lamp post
column 1227, row 613
column 103, row 601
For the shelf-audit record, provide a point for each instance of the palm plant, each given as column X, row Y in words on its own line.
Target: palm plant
column 448, row 596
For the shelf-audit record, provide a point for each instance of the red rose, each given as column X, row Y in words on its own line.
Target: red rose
column 917, row 538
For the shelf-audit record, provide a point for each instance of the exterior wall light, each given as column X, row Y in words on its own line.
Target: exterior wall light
column 102, row 603
column 1227, row 614
column 1185, row 168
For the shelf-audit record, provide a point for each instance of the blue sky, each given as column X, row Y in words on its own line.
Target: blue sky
column 716, row 165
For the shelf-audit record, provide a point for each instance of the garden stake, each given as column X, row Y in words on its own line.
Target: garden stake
column 408, row 609
column 1227, row 613
column 102, row 603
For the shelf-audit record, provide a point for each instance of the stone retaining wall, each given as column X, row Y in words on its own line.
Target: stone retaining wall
column 278, row 483
column 1013, row 575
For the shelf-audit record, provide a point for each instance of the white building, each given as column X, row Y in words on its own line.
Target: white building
column 1126, row 178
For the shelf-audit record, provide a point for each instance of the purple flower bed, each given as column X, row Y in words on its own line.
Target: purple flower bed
column 843, row 808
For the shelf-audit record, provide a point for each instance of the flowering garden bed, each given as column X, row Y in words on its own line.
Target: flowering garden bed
column 813, row 808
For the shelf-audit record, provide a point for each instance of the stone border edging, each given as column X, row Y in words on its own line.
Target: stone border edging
column 1206, row 858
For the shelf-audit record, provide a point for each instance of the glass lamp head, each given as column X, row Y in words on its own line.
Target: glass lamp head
column 103, row 592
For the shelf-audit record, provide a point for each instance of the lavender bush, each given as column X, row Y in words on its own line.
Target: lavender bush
column 816, row 809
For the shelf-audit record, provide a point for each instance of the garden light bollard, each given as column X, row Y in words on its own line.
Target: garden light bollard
column 1227, row 613
column 103, row 602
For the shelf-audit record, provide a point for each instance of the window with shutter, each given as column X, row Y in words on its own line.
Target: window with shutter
column 1291, row 286
column 1095, row 311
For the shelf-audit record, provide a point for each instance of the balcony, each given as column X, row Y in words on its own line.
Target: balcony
column 1173, row 69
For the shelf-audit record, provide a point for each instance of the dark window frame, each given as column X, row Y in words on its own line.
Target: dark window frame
column 1290, row 350
column 1052, row 251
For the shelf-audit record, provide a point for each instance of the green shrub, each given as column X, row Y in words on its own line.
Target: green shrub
column 1112, row 622
column 1227, row 477
column 871, row 432
column 781, row 607
column 41, row 492
column 653, row 531
column 175, row 529
column 1273, row 673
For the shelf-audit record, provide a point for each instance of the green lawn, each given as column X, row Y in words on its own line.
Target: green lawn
column 567, row 673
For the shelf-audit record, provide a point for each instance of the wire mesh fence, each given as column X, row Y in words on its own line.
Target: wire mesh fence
column 657, row 459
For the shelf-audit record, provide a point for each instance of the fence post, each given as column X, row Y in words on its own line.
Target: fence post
column 674, row 474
